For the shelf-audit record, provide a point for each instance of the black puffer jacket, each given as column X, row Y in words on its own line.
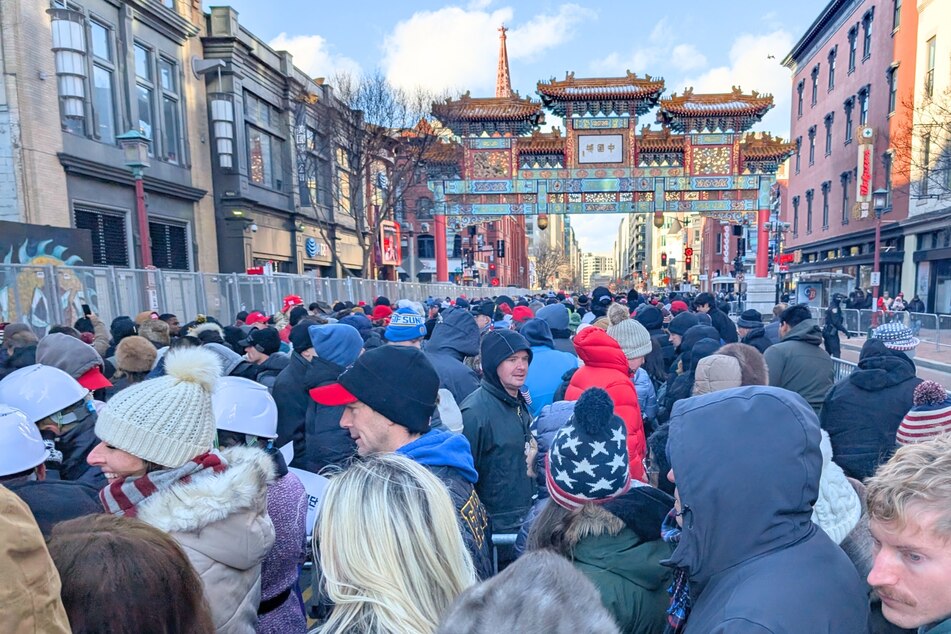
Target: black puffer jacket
column 455, row 338
column 724, row 325
column 325, row 442
column 758, row 339
column 55, row 501
column 496, row 425
column 19, row 358
column 682, row 387
column 271, row 368
column 290, row 392
column 862, row 412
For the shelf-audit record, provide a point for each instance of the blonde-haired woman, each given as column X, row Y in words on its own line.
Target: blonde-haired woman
column 391, row 553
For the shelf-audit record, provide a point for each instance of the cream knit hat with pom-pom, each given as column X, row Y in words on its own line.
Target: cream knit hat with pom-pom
column 166, row 420
column 633, row 338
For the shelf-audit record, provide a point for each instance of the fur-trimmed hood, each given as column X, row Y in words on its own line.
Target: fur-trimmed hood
column 206, row 326
column 219, row 514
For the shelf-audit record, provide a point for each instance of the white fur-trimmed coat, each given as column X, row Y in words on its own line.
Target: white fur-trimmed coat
column 221, row 522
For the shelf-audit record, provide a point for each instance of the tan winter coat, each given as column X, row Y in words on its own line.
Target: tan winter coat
column 29, row 593
column 221, row 522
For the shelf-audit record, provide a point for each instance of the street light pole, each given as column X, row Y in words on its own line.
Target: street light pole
column 135, row 146
column 880, row 202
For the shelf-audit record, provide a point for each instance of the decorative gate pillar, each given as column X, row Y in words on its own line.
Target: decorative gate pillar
column 442, row 261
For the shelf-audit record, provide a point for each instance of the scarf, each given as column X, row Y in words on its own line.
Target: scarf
column 679, row 590
column 122, row 496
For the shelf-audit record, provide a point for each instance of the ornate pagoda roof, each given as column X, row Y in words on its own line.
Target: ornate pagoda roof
column 593, row 88
column 765, row 147
column 468, row 108
column 662, row 140
column 443, row 153
column 542, row 143
column 677, row 109
column 600, row 93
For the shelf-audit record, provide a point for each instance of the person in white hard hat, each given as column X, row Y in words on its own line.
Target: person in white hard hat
column 246, row 415
column 65, row 414
column 22, row 454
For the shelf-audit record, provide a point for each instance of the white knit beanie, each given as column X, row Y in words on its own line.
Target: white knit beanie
column 838, row 508
column 166, row 420
column 633, row 338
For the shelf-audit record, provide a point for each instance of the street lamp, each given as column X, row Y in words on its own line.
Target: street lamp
column 880, row 203
column 135, row 147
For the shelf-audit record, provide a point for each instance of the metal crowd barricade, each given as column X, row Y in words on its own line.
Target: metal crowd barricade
column 842, row 368
column 44, row 295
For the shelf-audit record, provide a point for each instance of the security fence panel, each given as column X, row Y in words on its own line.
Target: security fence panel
column 842, row 368
column 182, row 293
column 130, row 292
column 850, row 318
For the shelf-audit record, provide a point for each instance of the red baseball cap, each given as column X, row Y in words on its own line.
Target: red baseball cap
column 93, row 379
column 381, row 312
column 678, row 306
column 522, row 313
column 333, row 395
column 257, row 317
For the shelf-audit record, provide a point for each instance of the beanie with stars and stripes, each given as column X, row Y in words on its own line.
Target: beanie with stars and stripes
column 587, row 461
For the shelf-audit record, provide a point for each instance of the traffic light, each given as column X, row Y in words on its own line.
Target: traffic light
column 663, row 259
column 500, row 248
column 493, row 272
column 688, row 258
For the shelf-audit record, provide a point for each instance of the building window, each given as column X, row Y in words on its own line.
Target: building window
column 265, row 159
column 800, row 88
column 718, row 243
column 853, row 37
column 887, row 168
column 892, row 89
column 110, row 237
column 815, row 84
column 896, row 14
column 810, row 194
column 69, row 50
column 343, row 180
column 930, row 47
column 867, row 33
column 828, row 123
column 812, row 145
column 798, row 153
column 863, row 105
column 826, row 186
column 425, row 246
column 795, row 217
column 307, row 171
column 103, row 82
column 925, row 163
column 144, row 92
column 846, row 179
column 169, row 245
column 171, row 110
column 849, row 105
column 832, row 56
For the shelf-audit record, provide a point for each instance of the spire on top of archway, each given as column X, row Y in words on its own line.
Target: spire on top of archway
column 503, row 81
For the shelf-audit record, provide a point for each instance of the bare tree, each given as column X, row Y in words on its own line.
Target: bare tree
column 549, row 263
column 921, row 150
column 368, row 141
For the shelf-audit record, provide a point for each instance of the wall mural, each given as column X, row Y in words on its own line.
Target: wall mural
column 27, row 292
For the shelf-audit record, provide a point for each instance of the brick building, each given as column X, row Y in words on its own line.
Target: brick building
column 853, row 73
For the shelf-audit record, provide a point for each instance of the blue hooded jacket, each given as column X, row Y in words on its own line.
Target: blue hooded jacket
column 448, row 457
column 548, row 365
column 443, row 449
column 747, row 464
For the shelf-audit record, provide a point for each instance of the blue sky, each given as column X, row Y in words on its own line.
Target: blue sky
column 710, row 45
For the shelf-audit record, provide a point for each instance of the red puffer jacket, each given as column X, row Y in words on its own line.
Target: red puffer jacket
column 605, row 366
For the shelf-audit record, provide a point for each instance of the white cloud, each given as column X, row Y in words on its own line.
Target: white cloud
column 751, row 68
column 596, row 233
column 687, row 57
column 314, row 55
column 659, row 47
column 454, row 48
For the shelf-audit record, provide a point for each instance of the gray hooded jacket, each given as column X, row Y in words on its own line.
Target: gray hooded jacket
column 747, row 464
column 455, row 338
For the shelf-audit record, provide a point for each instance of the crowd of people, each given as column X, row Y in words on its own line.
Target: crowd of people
column 549, row 463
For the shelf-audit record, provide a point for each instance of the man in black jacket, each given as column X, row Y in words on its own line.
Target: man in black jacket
column 752, row 331
column 290, row 390
column 389, row 396
column 495, row 420
column 705, row 303
column 324, row 443
column 262, row 347
column 862, row 412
